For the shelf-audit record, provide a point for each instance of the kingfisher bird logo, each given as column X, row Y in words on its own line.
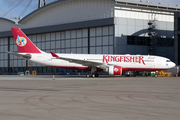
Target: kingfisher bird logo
column 116, row 70
column 21, row 41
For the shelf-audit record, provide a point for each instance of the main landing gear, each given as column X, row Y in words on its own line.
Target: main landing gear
column 92, row 75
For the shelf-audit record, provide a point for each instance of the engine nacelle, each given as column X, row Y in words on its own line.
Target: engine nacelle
column 115, row 70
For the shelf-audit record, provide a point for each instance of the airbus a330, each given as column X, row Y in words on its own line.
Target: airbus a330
column 112, row 64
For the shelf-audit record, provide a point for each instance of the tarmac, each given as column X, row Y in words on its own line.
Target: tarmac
column 80, row 98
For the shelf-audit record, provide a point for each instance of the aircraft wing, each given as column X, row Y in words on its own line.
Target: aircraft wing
column 83, row 62
column 26, row 56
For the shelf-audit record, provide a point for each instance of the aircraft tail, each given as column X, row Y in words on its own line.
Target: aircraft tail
column 24, row 44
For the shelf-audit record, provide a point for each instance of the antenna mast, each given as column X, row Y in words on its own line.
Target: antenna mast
column 40, row 5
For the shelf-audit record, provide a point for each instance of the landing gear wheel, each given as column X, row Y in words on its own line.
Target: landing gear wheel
column 87, row 75
column 93, row 75
column 96, row 75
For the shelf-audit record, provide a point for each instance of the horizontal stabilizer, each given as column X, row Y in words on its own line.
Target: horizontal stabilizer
column 25, row 56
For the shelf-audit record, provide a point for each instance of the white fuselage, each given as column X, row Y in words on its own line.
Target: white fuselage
column 127, row 62
column 114, row 64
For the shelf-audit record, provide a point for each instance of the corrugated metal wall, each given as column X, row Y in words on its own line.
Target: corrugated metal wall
column 6, row 25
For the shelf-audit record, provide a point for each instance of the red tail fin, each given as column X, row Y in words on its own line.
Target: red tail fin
column 23, row 43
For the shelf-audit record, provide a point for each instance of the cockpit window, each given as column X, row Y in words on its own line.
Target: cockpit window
column 168, row 61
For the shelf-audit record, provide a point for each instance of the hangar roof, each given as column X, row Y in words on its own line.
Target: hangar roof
column 9, row 20
column 130, row 3
column 159, row 6
column 148, row 5
column 37, row 11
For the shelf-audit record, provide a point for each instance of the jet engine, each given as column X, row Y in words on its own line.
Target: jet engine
column 114, row 70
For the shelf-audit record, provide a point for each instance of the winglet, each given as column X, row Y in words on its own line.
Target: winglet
column 54, row 55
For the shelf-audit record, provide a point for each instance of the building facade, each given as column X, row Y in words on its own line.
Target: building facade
column 91, row 27
column 177, row 37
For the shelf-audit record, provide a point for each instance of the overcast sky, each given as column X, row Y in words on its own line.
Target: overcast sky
column 7, row 5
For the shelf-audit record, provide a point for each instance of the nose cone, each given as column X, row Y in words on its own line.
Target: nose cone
column 172, row 65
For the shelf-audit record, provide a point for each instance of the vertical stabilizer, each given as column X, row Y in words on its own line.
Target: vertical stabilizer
column 24, row 44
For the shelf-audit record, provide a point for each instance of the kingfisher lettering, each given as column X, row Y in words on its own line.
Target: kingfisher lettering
column 134, row 59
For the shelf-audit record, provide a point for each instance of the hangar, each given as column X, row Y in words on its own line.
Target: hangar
column 91, row 27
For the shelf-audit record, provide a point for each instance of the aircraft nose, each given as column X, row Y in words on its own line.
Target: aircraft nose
column 173, row 64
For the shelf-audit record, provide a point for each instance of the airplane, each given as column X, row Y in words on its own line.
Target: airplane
column 110, row 63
